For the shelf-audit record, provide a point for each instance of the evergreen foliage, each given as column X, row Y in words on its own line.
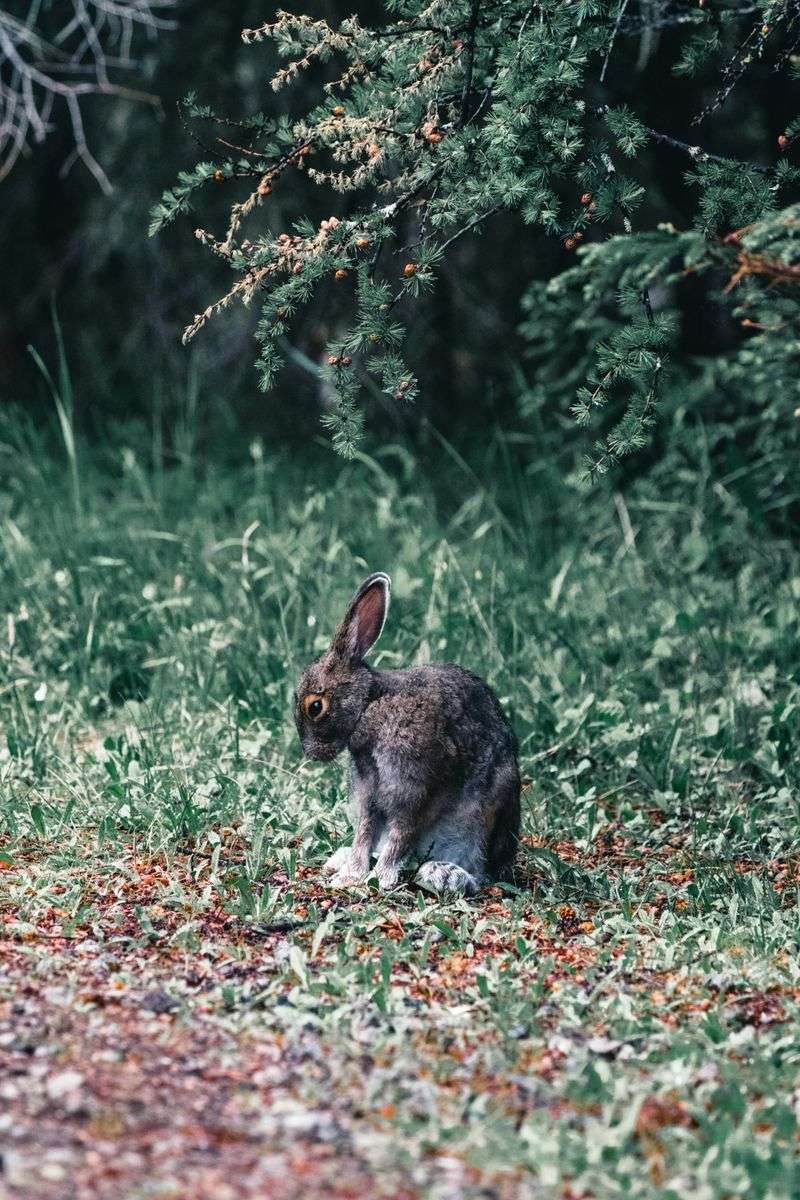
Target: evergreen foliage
column 431, row 123
column 597, row 321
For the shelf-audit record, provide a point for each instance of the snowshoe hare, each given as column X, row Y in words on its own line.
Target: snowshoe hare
column 434, row 777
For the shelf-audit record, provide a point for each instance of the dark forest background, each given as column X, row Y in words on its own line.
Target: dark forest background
column 122, row 298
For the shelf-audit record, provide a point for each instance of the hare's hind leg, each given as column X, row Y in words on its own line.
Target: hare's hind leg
column 442, row 876
column 476, row 841
column 502, row 815
column 455, row 852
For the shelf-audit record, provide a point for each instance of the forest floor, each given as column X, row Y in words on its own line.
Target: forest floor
column 188, row 1010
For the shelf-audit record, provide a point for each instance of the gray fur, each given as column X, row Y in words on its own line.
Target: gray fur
column 434, row 778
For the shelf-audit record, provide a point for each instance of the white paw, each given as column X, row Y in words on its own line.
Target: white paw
column 339, row 860
column 388, row 877
column 446, row 877
column 345, row 878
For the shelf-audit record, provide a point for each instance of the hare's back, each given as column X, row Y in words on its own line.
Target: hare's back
column 439, row 711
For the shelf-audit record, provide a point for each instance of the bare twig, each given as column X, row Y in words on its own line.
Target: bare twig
column 697, row 153
column 701, row 155
column 614, row 32
column 470, row 63
column 751, row 48
column 61, row 61
column 470, row 226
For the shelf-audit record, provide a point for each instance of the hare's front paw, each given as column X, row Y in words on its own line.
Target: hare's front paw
column 339, row 860
column 345, row 869
column 346, row 878
column 446, row 877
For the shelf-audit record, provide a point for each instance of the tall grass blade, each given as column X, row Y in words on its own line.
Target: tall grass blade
column 63, row 399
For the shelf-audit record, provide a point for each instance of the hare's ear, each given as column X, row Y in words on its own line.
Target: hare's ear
column 365, row 618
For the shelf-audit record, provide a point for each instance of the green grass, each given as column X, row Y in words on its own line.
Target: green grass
column 624, row 1022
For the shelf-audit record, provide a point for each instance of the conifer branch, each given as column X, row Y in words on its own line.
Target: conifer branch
column 433, row 123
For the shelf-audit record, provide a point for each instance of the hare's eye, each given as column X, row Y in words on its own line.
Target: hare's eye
column 315, row 706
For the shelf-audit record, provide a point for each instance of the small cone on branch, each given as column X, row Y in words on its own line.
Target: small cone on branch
column 409, row 269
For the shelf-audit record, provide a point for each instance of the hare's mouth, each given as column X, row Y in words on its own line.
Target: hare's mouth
column 322, row 751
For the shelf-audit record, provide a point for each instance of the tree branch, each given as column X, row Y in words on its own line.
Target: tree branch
column 62, row 61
